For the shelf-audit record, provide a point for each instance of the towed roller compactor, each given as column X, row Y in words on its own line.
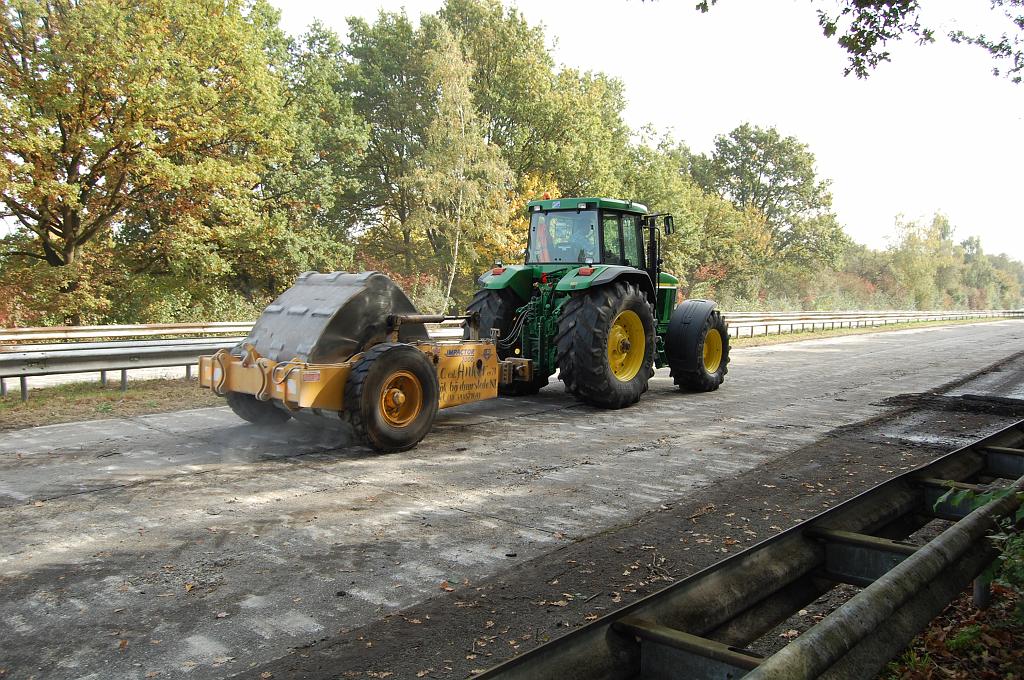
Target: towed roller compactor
column 590, row 302
column 353, row 346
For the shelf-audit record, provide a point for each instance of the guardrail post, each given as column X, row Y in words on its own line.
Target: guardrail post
column 124, row 380
column 982, row 591
column 3, row 387
column 188, row 371
column 23, row 382
column 103, row 378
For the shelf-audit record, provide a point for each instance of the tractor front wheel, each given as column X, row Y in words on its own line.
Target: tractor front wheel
column 606, row 345
column 391, row 396
column 497, row 309
column 248, row 407
column 698, row 346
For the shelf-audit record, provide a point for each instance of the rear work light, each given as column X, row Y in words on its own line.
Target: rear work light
column 586, row 271
column 498, row 270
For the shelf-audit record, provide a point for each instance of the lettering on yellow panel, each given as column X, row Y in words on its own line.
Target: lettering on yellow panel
column 466, row 373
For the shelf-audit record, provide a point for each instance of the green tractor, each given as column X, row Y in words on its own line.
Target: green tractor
column 591, row 302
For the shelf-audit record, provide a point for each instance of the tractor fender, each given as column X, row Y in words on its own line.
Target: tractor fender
column 687, row 312
column 605, row 274
column 516, row 276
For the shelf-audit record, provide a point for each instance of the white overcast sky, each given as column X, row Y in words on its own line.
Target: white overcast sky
column 931, row 131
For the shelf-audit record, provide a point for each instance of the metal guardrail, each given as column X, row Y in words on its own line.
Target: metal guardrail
column 749, row 324
column 23, row 335
column 699, row 628
column 26, row 355
column 38, row 360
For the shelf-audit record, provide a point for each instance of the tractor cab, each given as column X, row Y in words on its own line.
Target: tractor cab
column 581, row 231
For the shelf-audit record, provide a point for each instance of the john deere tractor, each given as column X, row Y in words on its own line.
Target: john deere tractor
column 591, row 302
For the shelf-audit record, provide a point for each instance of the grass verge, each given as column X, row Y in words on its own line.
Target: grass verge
column 90, row 401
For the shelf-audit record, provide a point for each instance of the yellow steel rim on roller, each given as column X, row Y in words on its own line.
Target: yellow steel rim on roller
column 401, row 399
column 626, row 345
column 712, row 350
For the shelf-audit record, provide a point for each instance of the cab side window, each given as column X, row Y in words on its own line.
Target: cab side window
column 632, row 243
column 611, row 252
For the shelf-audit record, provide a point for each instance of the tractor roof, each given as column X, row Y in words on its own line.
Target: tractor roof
column 591, row 204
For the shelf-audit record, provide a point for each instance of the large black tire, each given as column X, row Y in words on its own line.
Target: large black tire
column 698, row 359
column 584, row 364
column 383, row 368
column 497, row 309
column 248, row 407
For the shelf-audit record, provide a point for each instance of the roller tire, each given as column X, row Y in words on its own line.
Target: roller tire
column 247, row 407
column 363, row 396
column 684, row 346
column 582, row 341
column 497, row 309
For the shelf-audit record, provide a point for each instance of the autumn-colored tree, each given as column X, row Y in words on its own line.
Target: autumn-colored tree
column 159, row 107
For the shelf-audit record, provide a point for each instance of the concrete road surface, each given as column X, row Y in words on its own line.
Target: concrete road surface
column 192, row 545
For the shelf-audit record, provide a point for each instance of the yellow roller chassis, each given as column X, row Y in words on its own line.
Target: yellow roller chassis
column 467, row 371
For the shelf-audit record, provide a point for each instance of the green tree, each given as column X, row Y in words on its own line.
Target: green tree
column 512, row 83
column 461, row 180
column 329, row 138
column 160, row 107
column 716, row 248
column 387, row 76
column 759, row 169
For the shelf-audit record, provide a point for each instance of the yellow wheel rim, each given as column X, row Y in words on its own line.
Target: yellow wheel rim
column 712, row 350
column 401, row 399
column 627, row 344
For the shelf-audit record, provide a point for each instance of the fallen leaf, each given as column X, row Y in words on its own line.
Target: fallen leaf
column 266, row 674
column 790, row 634
column 188, row 587
column 123, row 645
column 445, row 587
column 222, row 615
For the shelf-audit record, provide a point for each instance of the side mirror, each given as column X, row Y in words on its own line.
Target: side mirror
column 670, row 225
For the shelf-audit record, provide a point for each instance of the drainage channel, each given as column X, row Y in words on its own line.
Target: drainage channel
column 701, row 628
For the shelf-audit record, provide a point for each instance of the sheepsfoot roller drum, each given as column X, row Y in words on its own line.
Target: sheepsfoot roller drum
column 352, row 346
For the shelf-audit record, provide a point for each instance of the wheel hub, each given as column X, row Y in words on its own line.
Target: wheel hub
column 712, row 350
column 626, row 345
column 401, row 399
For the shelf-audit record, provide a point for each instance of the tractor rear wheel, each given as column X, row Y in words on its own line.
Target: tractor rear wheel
column 391, row 396
column 248, row 407
column 606, row 345
column 697, row 346
column 497, row 309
